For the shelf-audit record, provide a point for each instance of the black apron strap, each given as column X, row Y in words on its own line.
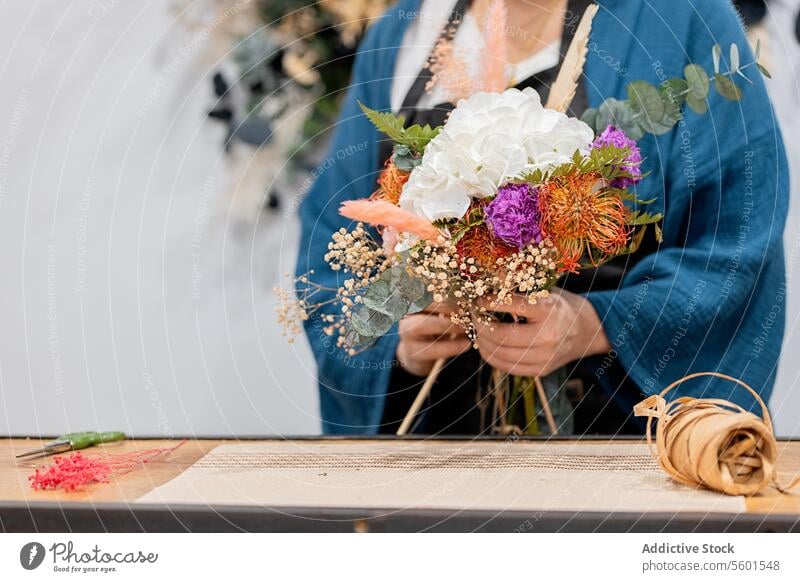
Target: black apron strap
column 418, row 87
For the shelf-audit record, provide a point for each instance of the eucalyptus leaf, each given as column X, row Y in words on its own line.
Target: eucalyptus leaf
column 646, row 100
column 758, row 49
column 697, row 81
column 763, row 70
column 716, row 54
column 589, row 117
column 734, row 58
column 370, row 323
column 383, row 298
column 673, row 96
column 353, row 339
column 618, row 113
column 660, row 127
column 412, row 289
column 676, row 89
column 699, row 106
column 727, row 88
column 404, row 158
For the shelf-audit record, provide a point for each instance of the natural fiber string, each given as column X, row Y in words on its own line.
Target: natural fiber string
column 713, row 443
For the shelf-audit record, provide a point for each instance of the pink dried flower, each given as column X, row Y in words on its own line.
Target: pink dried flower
column 495, row 49
column 382, row 213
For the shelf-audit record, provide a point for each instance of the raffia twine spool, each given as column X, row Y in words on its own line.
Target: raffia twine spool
column 713, row 443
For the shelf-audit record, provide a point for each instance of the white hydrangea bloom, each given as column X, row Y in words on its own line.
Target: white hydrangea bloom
column 487, row 140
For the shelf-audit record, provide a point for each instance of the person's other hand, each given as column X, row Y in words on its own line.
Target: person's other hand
column 427, row 336
column 558, row 329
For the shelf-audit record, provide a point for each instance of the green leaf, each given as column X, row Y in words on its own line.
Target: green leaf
column 727, row 88
column 697, row 81
column 660, row 127
column 636, row 241
column 405, row 158
column 675, row 89
column 758, row 49
column 382, row 298
column 673, row 93
column 642, row 217
column 646, row 100
column 618, row 113
column 699, row 106
column 418, row 136
column 716, row 54
column 415, row 137
column 763, row 70
column 369, row 322
column 589, row 117
column 353, row 339
column 389, row 123
column 412, row 290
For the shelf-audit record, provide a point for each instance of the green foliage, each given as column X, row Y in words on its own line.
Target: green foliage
column 386, row 122
column 642, row 217
column 474, row 217
column 607, row 161
column 386, row 301
column 415, row 137
column 727, row 88
column 696, row 81
column 647, row 105
column 405, row 158
column 649, row 109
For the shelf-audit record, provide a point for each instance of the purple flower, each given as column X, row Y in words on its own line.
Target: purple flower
column 513, row 215
column 612, row 136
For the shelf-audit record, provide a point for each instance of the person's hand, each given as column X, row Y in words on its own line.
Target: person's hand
column 559, row 329
column 427, row 336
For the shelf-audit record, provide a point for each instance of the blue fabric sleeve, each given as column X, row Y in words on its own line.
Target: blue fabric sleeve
column 712, row 298
column 352, row 388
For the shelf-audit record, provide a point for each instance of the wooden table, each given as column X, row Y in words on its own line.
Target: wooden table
column 108, row 507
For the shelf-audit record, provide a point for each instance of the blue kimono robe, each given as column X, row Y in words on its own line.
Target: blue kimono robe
column 712, row 298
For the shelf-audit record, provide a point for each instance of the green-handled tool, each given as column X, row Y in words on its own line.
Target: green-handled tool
column 75, row 441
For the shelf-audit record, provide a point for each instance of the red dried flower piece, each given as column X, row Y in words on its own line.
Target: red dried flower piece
column 76, row 471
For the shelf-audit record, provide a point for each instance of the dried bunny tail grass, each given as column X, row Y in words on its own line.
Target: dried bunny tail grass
column 713, row 443
column 495, row 49
column 563, row 90
column 382, row 213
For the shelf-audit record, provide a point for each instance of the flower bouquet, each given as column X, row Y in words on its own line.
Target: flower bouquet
column 499, row 202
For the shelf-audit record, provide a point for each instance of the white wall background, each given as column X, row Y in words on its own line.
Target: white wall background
column 784, row 54
column 128, row 298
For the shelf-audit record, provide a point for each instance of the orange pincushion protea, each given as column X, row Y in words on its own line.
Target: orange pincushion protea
column 479, row 244
column 582, row 219
column 390, row 183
